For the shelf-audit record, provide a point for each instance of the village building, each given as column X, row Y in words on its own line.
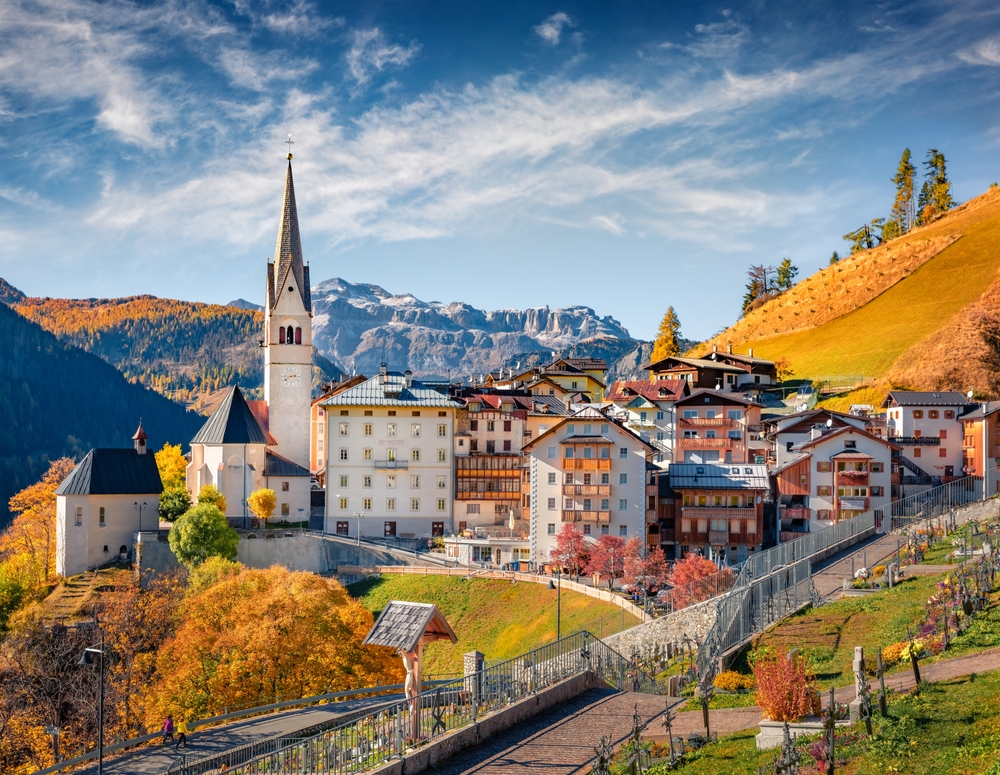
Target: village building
column 317, row 424
column 724, row 371
column 721, row 509
column 390, row 459
column 103, row 503
column 647, row 406
column 584, row 378
column 787, row 431
column 589, row 471
column 718, row 427
column 981, row 438
column 927, row 428
column 838, row 473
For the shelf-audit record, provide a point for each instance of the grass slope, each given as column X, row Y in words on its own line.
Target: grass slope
column 498, row 618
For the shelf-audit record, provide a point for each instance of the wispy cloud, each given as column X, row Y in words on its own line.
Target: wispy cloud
column 550, row 30
column 371, row 53
column 985, row 52
column 713, row 41
column 300, row 18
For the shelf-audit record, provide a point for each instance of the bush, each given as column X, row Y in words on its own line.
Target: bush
column 785, row 687
column 892, row 654
column 731, row 681
column 878, row 571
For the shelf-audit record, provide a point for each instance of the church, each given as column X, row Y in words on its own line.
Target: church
column 249, row 445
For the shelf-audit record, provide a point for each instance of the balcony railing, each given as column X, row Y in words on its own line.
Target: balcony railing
column 586, row 464
column 476, row 495
column 717, row 512
column 392, row 465
column 700, row 443
column 587, row 489
column 651, row 517
column 707, row 422
column 651, row 489
column 916, row 441
column 586, row 516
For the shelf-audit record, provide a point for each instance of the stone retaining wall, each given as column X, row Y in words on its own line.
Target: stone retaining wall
column 694, row 621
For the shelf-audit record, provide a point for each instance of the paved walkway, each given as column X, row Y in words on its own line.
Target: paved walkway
column 829, row 575
column 156, row 759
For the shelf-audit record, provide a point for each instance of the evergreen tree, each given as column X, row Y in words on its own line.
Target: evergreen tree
column 761, row 287
column 935, row 194
column 867, row 237
column 835, row 258
column 786, row 274
column 903, row 214
column 668, row 337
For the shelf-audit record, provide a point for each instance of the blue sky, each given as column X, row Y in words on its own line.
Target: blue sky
column 621, row 155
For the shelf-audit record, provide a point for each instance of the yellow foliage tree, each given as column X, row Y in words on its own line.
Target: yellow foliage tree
column 259, row 634
column 29, row 544
column 263, row 503
column 210, row 494
column 668, row 341
column 172, row 465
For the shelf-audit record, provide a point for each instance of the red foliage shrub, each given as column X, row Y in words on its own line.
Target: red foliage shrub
column 785, row 687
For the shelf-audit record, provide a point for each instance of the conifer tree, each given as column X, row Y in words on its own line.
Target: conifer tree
column 903, row 214
column 668, row 337
column 835, row 258
column 935, row 194
column 761, row 287
column 786, row 274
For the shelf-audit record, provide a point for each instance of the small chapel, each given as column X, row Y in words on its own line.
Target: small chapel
column 248, row 445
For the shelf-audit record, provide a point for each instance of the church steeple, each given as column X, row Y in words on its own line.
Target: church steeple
column 288, row 266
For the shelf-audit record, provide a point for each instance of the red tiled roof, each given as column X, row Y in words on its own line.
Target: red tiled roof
column 651, row 390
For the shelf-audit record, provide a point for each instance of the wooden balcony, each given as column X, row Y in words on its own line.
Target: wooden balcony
column 852, row 478
column 707, row 422
column 586, row 464
column 587, row 489
column 916, row 441
column 724, row 443
column 652, row 489
column 651, row 518
column 717, row 512
column 586, row 516
column 476, row 495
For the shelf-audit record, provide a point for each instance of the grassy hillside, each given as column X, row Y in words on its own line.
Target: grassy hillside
column 906, row 312
column 498, row 618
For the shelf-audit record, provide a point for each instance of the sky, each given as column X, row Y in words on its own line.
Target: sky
column 621, row 155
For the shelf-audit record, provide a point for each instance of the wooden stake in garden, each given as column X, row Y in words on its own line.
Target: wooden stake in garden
column 831, row 729
column 668, row 725
column 913, row 661
column 881, row 687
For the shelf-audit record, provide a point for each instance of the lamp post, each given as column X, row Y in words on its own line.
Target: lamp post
column 359, row 515
column 558, row 587
column 88, row 658
column 140, row 507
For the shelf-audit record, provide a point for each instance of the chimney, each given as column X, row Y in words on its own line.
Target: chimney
column 383, row 370
column 715, row 348
column 815, row 432
column 729, row 349
column 750, row 352
column 407, row 378
column 140, row 440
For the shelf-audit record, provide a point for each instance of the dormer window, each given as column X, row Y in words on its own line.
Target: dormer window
column 850, row 445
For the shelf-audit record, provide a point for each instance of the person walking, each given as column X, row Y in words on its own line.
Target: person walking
column 182, row 734
column 168, row 730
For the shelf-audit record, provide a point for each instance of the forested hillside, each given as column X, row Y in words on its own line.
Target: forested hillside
column 56, row 399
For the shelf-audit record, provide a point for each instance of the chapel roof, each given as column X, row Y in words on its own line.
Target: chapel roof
column 113, row 472
column 232, row 422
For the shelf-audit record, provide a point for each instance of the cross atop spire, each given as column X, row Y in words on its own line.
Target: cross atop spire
column 289, row 143
column 288, row 268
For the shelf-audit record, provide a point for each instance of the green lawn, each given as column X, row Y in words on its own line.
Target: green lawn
column 498, row 618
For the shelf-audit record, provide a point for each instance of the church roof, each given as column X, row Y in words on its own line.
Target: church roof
column 276, row 465
column 391, row 389
column 113, row 472
column 288, row 264
column 232, row 423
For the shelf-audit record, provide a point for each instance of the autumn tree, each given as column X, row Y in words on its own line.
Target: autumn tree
column 694, row 579
column 172, row 466
column 903, row 213
column 262, row 503
column 211, row 572
column 656, row 567
column 28, row 545
column 668, row 338
column 607, row 557
column 210, row 494
column 570, row 551
column 173, row 503
column 783, row 370
column 866, row 237
column 201, row 533
column 634, row 568
column 761, row 287
column 785, row 275
column 935, row 194
column 258, row 635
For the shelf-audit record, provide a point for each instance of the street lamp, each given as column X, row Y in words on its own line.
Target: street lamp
column 88, row 658
column 140, row 507
column 558, row 587
column 359, row 515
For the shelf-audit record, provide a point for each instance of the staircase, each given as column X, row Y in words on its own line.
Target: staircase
column 922, row 477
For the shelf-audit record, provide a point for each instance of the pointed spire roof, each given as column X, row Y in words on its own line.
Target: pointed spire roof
column 140, row 435
column 231, row 423
column 288, row 267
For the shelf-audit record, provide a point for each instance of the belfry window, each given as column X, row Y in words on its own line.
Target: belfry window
column 298, row 336
column 281, row 335
column 289, row 335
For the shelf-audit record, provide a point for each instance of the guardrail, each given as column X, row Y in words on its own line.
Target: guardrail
column 937, row 500
column 389, row 732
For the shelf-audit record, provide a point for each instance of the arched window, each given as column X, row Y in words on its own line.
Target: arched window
column 281, row 335
column 288, row 336
column 298, row 336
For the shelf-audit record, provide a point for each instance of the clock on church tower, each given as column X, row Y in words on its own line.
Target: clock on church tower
column 288, row 350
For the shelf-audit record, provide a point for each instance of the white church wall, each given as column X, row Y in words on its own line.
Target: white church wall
column 96, row 540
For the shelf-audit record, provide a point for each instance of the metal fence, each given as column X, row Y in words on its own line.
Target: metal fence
column 938, row 500
column 390, row 730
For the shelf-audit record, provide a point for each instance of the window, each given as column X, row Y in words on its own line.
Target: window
column 79, row 515
column 390, row 455
column 366, row 481
column 623, row 453
column 916, row 452
column 690, row 434
column 690, row 414
column 567, row 478
column 552, row 478
column 588, row 452
column 642, row 416
column 471, row 508
column 949, row 414
column 390, row 481
column 734, row 501
column 709, row 413
column 490, row 426
column 342, row 504
column 659, row 435
column 570, row 429
column 442, row 482
column 823, row 467
column 710, row 434
column 366, row 504
column 735, row 434
column 551, row 504
column 442, row 431
column 367, row 454
column 343, row 453
column 551, row 453
column 942, row 452
column 568, row 452
column 441, row 506
column 342, row 529
column 285, row 511
column 414, row 482
column 917, row 414
column 344, row 428
column 284, row 486
column 823, row 489
column 391, row 413
column 414, row 504
column 734, row 414
column 474, row 425
column 751, row 525
column 605, row 478
column 551, row 529
column 343, row 481
column 876, row 492
column 415, row 455
column 390, row 429
column 506, row 445
column 368, row 429
column 876, row 468
column 586, row 530
column 622, row 478
column 605, row 453
column 850, row 445
column 572, row 385
column 659, row 415
column 100, row 516
column 605, row 504
column 588, row 505
column 442, row 456
column 623, row 504
column 368, row 413
column 932, row 414
column 390, row 504
column 415, row 430
column 506, row 426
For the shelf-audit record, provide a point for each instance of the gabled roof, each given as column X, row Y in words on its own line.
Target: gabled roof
column 718, row 476
column 390, row 389
column 276, row 465
column 676, row 361
column 794, row 461
column 915, row 398
column 718, row 396
column 584, row 364
column 594, row 415
column 652, row 390
column 547, row 405
column 977, row 414
column 113, row 472
column 340, row 387
column 262, row 412
column 741, row 358
column 837, row 433
column 232, row 423
column 402, row 625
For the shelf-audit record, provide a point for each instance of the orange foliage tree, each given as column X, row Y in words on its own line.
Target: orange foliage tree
column 785, row 685
column 634, row 563
column 257, row 635
column 695, row 579
column 28, row 546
